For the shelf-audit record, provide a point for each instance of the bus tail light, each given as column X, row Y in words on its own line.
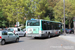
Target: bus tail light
column 26, row 31
column 40, row 32
column 0, row 37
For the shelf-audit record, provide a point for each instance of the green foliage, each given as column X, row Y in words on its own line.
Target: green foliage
column 15, row 9
column 23, row 27
column 41, row 8
column 47, row 18
column 2, row 20
column 69, row 11
column 53, row 3
column 66, row 22
column 18, row 9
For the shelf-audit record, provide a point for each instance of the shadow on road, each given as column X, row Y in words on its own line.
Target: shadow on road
column 21, row 36
column 43, row 38
column 13, row 42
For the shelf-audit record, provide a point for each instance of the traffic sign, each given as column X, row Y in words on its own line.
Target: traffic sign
column 17, row 23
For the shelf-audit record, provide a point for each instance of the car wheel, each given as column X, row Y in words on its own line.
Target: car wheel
column 49, row 35
column 72, row 32
column 17, row 40
column 67, row 32
column 59, row 33
column 2, row 42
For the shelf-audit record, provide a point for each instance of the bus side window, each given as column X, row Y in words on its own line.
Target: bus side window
column 54, row 25
column 44, row 25
column 51, row 25
column 48, row 26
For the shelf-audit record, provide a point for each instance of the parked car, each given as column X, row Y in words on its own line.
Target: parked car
column 0, row 29
column 65, row 30
column 70, row 31
column 17, row 31
column 6, row 36
column 5, row 29
column 24, row 29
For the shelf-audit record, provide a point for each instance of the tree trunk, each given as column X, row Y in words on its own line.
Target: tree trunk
column 62, row 23
column 69, row 24
column 13, row 23
column 9, row 24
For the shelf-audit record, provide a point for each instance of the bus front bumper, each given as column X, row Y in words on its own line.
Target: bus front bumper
column 33, row 35
column 36, row 35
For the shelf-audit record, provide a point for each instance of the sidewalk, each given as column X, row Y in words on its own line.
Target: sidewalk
column 69, row 37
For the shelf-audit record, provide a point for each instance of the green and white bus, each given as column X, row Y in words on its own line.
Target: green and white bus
column 42, row 28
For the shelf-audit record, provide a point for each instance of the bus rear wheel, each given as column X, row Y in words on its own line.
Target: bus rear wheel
column 49, row 35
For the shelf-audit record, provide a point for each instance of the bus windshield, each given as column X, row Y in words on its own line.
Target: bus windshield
column 33, row 23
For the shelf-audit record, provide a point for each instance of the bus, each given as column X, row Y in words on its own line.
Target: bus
column 42, row 28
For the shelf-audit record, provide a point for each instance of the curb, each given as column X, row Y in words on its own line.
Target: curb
column 69, row 38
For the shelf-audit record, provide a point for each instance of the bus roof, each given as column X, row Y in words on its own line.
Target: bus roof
column 51, row 21
column 35, row 19
column 47, row 20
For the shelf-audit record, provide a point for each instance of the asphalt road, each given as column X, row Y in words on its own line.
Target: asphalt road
column 27, row 43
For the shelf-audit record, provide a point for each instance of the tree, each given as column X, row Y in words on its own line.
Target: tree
column 46, row 18
column 69, row 11
column 2, row 20
column 15, row 9
column 53, row 3
column 41, row 7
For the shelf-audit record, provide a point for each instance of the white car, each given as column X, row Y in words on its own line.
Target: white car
column 17, row 31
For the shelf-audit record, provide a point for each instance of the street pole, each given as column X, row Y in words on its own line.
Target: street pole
column 74, row 24
column 64, row 15
column 17, row 18
column 38, row 16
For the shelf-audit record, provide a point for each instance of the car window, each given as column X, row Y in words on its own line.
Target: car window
column 18, row 29
column 15, row 29
column 4, row 33
column 21, row 29
column 11, row 29
column 10, row 33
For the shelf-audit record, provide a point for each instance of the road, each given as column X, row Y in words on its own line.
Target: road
column 27, row 43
